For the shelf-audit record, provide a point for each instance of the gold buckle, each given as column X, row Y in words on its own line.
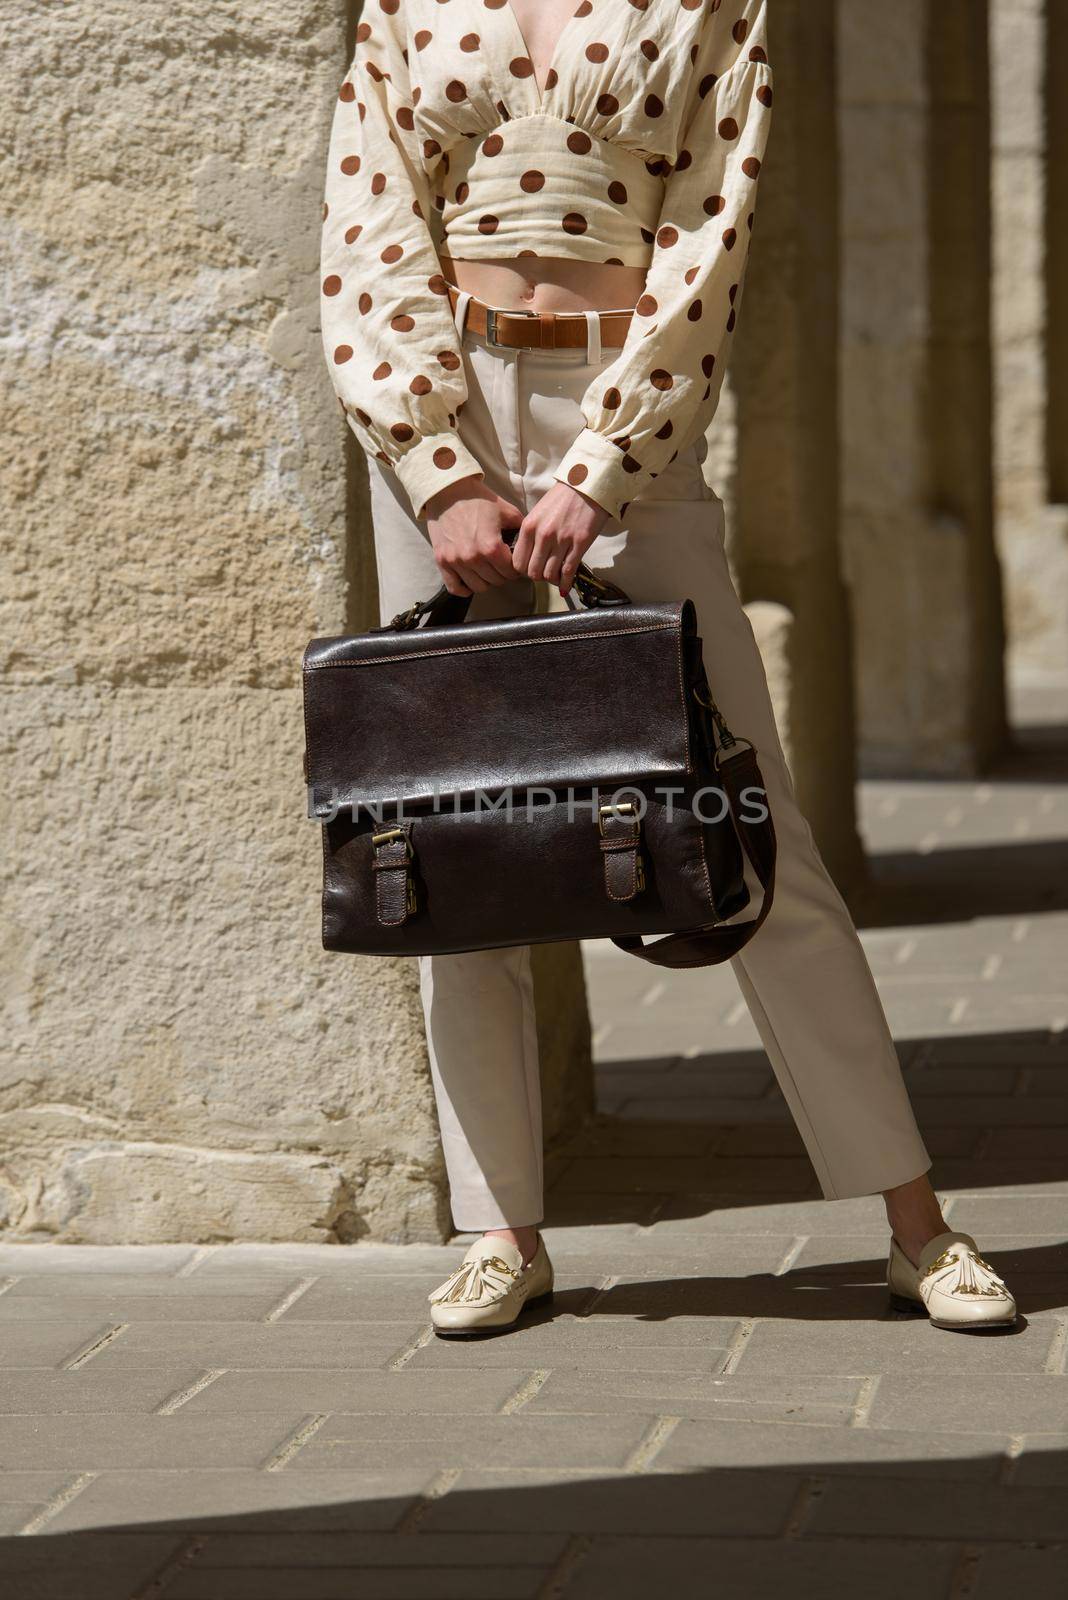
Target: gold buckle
column 393, row 833
column 624, row 809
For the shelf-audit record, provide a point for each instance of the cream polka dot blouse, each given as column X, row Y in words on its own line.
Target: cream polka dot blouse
column 643, row 148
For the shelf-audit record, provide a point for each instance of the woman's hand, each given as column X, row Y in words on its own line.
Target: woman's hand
column 555, row 535
column 464, row 522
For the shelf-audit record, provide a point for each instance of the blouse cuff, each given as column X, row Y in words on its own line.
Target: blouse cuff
column 600, row 469
column 430, row 466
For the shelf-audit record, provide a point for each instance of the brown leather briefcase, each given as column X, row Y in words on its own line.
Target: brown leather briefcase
column 548, row 777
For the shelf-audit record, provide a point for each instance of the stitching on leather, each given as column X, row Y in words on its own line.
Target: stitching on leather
column 503, row 644
column 682, row 695
column 381, row 896
column 633, row 884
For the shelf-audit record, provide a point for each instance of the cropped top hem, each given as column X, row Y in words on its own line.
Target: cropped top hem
column 540, row 186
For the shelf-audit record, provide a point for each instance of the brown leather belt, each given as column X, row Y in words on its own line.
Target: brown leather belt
column 539, row 330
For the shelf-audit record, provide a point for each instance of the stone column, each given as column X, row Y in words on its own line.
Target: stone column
column 784, row 548
column 915, row 362
column 1028, row 43
column 181, row 1059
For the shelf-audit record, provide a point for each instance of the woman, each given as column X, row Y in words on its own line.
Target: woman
column 593, row 170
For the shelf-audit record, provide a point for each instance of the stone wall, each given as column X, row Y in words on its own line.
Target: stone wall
column 785, row 495
column 181, row 1060
column 1028, row 62
column 917, row 531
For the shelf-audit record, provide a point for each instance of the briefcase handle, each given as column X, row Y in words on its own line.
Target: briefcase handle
column 444, row 608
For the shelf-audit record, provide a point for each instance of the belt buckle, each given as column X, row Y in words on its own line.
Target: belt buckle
column 491, row 321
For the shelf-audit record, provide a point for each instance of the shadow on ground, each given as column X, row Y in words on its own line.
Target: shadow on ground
column 820, row 1528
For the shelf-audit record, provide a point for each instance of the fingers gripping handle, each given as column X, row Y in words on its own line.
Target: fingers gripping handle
column 444, row 609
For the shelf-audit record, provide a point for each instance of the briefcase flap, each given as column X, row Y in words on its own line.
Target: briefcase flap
column 565, row 699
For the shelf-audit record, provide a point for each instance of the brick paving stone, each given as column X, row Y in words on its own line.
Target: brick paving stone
column 758, row 1447
column 992, row 1513
column 576, row 1210
column 286, row 1502
column 1034, row 1574
column 703, row 1109
column 1038, row 1144
column 723, row 1256
column 286, row 1263
column 1009, row 1403
column 906, row 1346
column 239, row 1344
column 87, row 1287
column 46, row 1344
column 408, row 1583
column 927, row 1078
column 348, row 1548
column 863, row 1254
column 687, row 1394
column 611, row 1503
column 27, row 1391
column 87, row 1566
column 721, row 1213
column 73, row 1259
column 1043, row 1175
column 687, row 1174
column 120, row 1439
column 23, row 1495
column 117, row 1307
column 692, row 1569
column 790, row 1296
column 1020, row 1122
column 694, row 1080
column 433, row 1440
column 1043, row 1457
column 627, row 1139
column 430, row 1393
column 614, row 1344
column 381, row 1298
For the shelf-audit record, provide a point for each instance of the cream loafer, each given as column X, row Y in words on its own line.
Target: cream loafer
column 952, row 1283
column 489, row 1289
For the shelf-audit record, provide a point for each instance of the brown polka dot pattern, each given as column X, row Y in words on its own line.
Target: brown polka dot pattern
column 657, row 121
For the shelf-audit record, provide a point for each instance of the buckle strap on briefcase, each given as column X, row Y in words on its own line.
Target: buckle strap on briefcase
column 392, row 866
column 620, row 828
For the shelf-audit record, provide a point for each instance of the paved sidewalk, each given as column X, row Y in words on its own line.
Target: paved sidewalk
column 718, row 1403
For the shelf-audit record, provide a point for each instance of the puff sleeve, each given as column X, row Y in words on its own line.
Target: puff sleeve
column 661, row 391
column 390, row 339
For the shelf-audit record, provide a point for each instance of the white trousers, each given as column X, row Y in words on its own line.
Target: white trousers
column 804, row 976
